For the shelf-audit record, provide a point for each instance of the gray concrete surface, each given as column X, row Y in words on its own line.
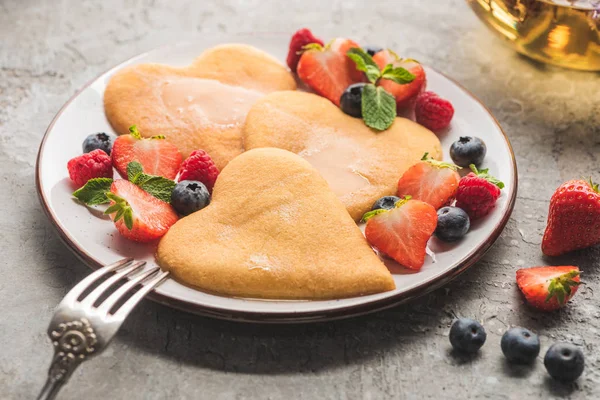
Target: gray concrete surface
column 48, row 49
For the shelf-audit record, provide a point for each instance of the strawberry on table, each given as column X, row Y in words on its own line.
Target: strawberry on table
column 138, row 215
column 157, row 155
column 301, row 38
column 548, row 288
column 405, row 94
column 434, row 182
column 402, row 233
column 477, row 192
column 328, row 70
column 573, row 218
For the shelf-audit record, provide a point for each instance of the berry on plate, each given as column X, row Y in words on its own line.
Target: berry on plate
column 189, row 197
column 548, row 288
column 95, row 164
column 402, row 232
column 564, row 362
column 468, row 150
column 138, row 215
column 431, row 181
column 453, row 223
column 477, row 193
column 520, row 345
column 433, row 112
column 405, row 94
column 573, row 218
column 351, row 100
column 386, row 203
column 157, row 155
column 98, row 141
column 199, row 167
column 467, row 335
column 328, row 70
column 301, row 38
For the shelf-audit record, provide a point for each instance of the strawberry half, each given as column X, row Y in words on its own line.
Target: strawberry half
column 406, row 94
column 328, row 70
column 402, row 233
column 138, row 215
column 573, row 218
column 431, row 181
column 548, row 288
column 157, row 156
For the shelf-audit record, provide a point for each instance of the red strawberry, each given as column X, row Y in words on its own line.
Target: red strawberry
column 573, row 219
column 138, row 215
column 433, row 112
column 199, row 167
column 300, row 39
column 548, row 288
column 431, row 181
column 95, row 164
column 405, row 94
column 477, row 193
column 328, row 70
column 402, row 233
column 157, row 156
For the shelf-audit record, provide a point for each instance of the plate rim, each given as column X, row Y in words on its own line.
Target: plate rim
column 283, row 317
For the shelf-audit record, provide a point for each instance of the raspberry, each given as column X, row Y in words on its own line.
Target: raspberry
column 95, row 164
column 300, row 39
column 432, row 111
column 476, row 195
column 199, row 167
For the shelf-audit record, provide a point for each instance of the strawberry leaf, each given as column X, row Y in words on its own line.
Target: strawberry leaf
column 365, row 63
column 121, row 209
column 560, row 287
column 484, row 173
column 398, row 74
column 133, row 130
column 439, row 164
column 370, row 214
column 378, row 107
column 594, row 186
column 94, row 191
column 312, row 46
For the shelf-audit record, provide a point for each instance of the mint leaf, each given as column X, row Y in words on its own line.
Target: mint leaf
column 398, row 74
column 133, row 130
column 94, row 191
column 157, row 186
column 365, row 63
column 378, row 107
column 134, row 169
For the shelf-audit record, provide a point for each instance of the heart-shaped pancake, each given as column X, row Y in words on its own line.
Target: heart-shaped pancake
column 273, row 230
column 360, row 164
column 201, row 106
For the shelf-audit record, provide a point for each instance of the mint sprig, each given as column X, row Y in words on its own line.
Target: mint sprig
column 365, row 63
column 94, row 191
column 122, row 209
column 397, row 74
column 158, row 186
column 378, row 107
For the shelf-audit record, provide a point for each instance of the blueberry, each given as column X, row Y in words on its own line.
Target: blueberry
column 520, row 345
column 100, row 140
column 372, row 50
column 387, row 203
column 351, row 100
column 189, row 196
column 564, row 362
column 453, row 224
column 468, row 150
column 467, row 335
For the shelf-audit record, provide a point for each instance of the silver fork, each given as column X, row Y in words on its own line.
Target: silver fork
column 81, row 329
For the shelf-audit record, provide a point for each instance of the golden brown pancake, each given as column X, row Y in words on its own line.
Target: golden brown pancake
column 273, row 230
column 360, row 164
column 201, row 106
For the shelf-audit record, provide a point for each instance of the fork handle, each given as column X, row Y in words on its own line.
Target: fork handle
column 50, row 389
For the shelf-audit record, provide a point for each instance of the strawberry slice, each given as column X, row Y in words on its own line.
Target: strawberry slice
column 406, row 94
column 402, row 233
column 157, row 156
column 548, row 288
column 328, row 70
column 431, row 181
column 138, row 215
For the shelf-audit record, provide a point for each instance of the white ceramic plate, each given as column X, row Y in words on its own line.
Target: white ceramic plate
column 94, row 239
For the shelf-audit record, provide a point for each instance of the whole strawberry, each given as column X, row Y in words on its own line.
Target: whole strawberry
column 433, row 112
column 573, row 218
column 301, row 38
column 95, row 164
column 477, row 192
column 199, row 167
column 548, row 288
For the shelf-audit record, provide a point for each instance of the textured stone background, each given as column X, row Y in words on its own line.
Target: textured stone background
column 48, row 49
